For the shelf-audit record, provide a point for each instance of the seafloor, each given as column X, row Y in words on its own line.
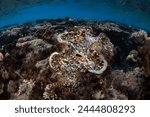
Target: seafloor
column 74, row 59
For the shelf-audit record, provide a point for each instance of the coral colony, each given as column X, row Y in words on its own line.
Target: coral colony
column 74, row 59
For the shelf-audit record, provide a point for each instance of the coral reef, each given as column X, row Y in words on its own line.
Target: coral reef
column 74, row 59
column 141, row 36
column 1, row 88
column 144, row 59
column 143, row 54
column 1, row 57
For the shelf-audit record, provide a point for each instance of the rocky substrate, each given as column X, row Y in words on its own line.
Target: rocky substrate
column 74, row 59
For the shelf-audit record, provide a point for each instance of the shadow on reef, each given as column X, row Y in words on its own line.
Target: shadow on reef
column 74, row 59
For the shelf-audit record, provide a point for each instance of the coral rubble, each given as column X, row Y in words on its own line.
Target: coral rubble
column 74, row 59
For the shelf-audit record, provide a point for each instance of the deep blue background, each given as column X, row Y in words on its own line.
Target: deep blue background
column 130, row 12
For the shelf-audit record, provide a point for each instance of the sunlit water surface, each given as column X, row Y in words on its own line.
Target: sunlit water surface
column 123, row 11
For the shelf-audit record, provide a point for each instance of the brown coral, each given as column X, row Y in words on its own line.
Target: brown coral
column 144, row 59
column 141, row 36
column 1, row 57
column 1, row 87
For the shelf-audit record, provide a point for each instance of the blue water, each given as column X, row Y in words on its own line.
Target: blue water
column 118, row 11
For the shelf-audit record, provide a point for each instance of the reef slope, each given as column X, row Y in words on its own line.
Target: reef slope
column 74, row 59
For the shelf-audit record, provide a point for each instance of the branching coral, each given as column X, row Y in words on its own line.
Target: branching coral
column 141, row 36
column 144, row 59
column 142, row 55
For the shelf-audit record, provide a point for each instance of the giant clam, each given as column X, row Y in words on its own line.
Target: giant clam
column 85, row 52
